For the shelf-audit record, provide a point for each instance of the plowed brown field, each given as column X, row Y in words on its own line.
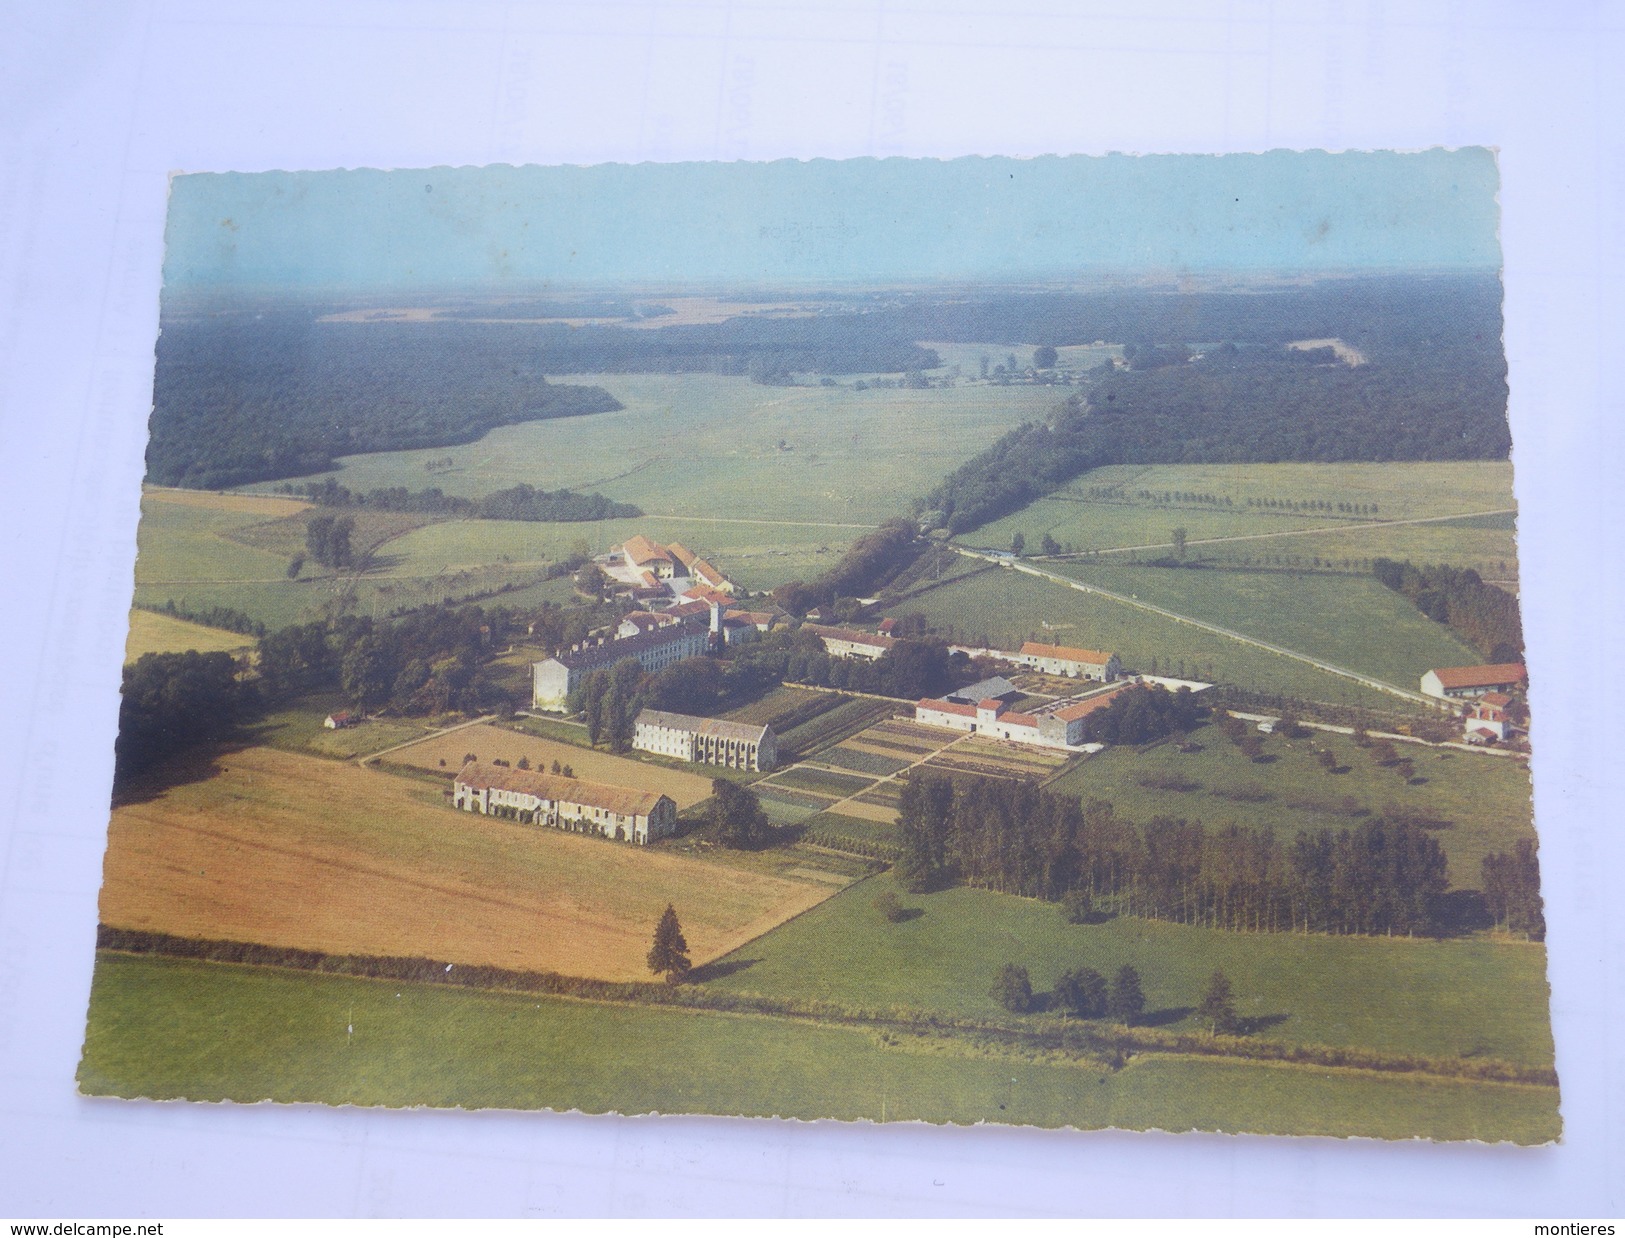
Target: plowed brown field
column 291, row 850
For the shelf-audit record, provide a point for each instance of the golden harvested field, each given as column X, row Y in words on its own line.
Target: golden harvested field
column 154, row 633
column 291, row 850
column 883, row 813
column 486, row 741
column 245, row 504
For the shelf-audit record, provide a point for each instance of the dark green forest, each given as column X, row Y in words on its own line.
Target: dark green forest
column 1235, row 405
column 240, row 399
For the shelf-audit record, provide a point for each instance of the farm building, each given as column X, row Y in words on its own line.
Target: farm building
column 1052, row 728
column 640, row 561
column 1459, row 681
column 706, row 741
column 1065, row 660
column 638, row 622
column 848, row 643
column 554, row 680
column 564, row 803
column 1488, row 720
column 344, row 718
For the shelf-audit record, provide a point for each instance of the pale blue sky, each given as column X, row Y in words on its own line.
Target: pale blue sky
column 860, row 220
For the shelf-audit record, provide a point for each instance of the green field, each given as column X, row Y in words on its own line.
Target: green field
column 300, row 726
column 756, row 556
column 181, row 543
column 1009, row 607
column 1444, row 998
column 165, row 1029
column 1400, row 491
column 154, row 633
column 1348, row 621
column 706, row 445
column 1485, row 799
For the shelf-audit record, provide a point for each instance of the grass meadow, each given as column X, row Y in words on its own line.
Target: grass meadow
column 1348, row 621
column 1400, row 491
column 1446, row 998
column 155, row 633
column 703, row 445
column 164, row 1028
column 1007, row 607
column 1484, row 799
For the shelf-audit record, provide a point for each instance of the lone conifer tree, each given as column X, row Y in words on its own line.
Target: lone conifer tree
column 1126, row 1002
column 669, row 955
column 1218, row 1010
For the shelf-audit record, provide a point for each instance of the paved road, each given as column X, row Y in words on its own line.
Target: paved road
column 1069, row 583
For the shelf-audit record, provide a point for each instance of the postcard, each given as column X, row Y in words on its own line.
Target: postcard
column 1014, row 641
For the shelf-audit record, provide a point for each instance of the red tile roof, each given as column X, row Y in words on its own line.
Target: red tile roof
column 990, row 702
column 1490, row 676
column 640, row 550
column 1080, row 709
column 850, row 636
column 1065, row 653
column 950, row 707
column 707, row 573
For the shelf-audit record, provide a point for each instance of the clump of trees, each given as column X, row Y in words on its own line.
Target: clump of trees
column 910, row 670
column 868, row 565
column 1140, row 714
column 428, row 662
column 1484, row 616
column 735, row 817
column 1013, row 989
column 519, row 502
column 1512, row 890
column 173, row 701
column 1378, row 877
column 327, row 540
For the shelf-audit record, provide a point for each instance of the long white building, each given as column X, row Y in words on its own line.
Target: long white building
column 706, row 741
column 849, row 643
column 552, row 681
column 1065, row 660
column 564, row 803
column 1053, row 728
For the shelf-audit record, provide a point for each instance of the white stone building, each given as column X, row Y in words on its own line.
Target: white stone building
column 706, row 741
column 1459, row 681
column 848, row 643
column 552, row 681
column 564, row 803
column 1065, row 660
column 1053, row 727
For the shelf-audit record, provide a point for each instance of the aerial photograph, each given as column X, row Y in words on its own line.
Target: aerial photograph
column 1028, row 642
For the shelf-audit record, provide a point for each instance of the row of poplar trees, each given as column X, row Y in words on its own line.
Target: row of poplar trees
column 1380, row 877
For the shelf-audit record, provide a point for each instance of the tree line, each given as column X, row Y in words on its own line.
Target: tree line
column 1484, row 616
column 227, row 618
column 868, row 565
column 1378, row 877
column 521, row 502
column 1233, row 406
column 246, row 398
